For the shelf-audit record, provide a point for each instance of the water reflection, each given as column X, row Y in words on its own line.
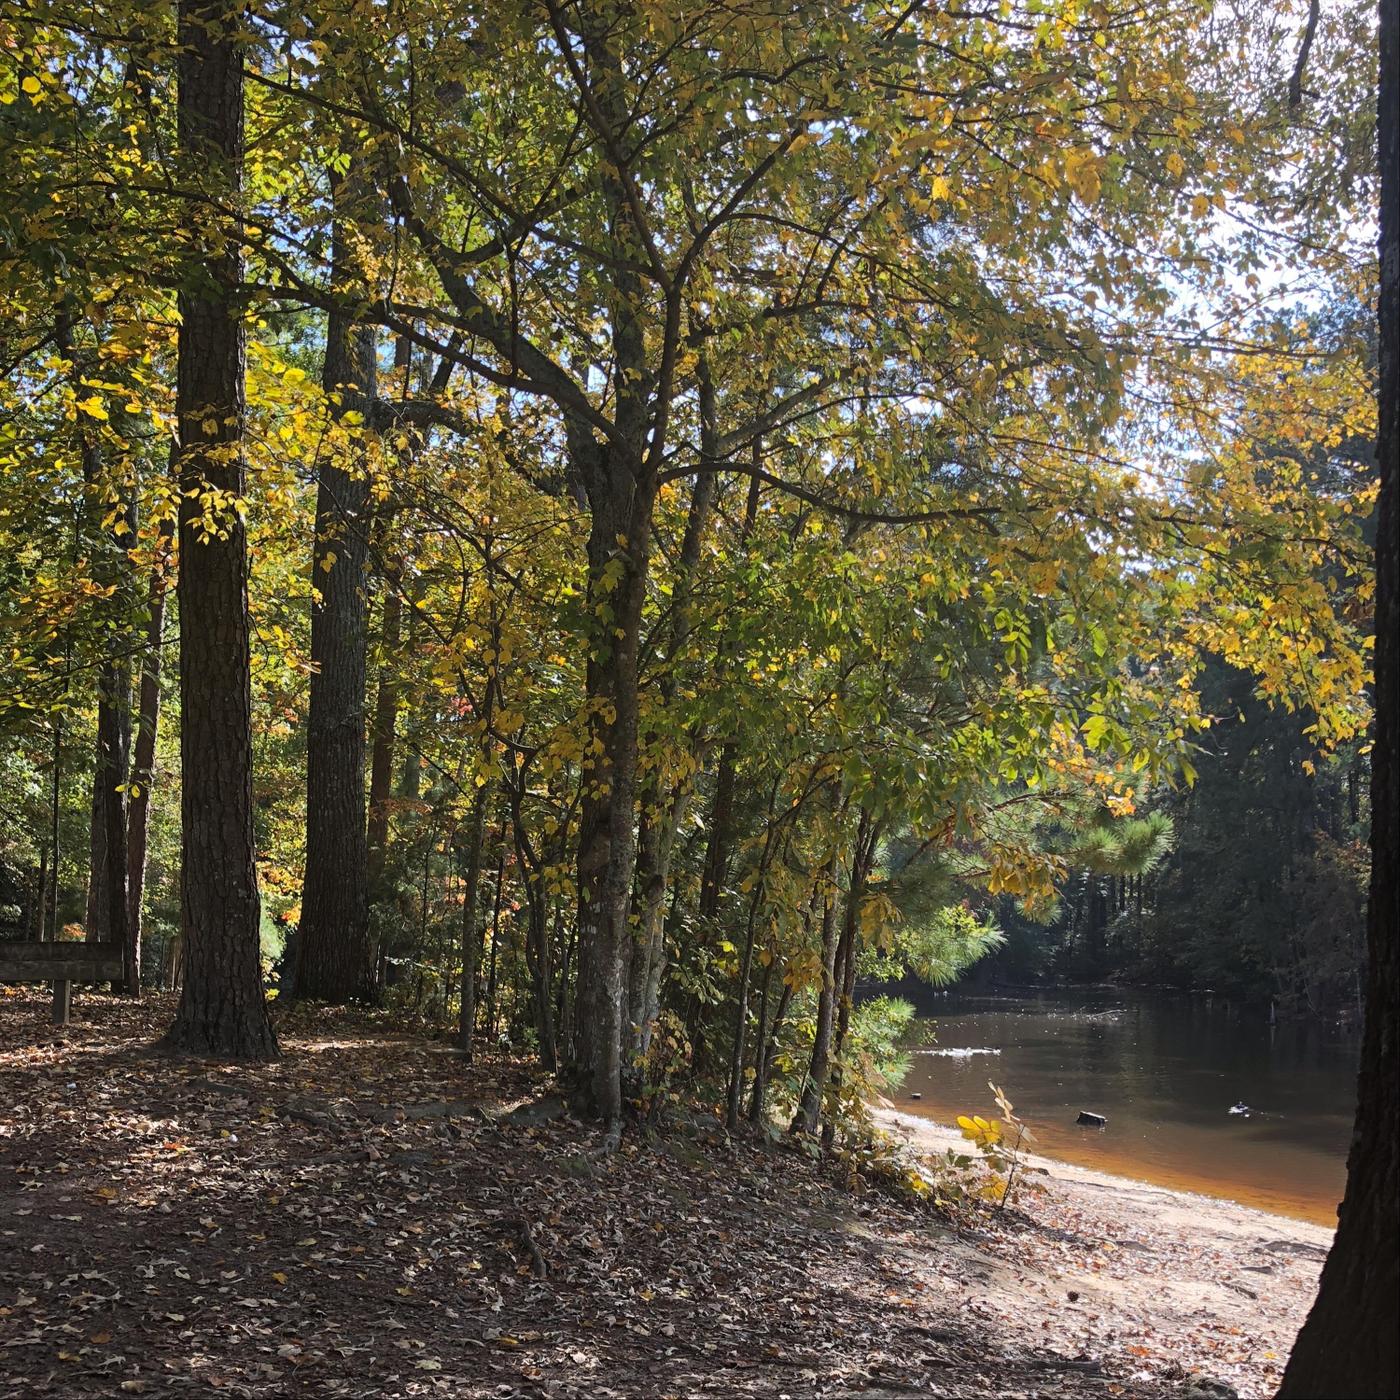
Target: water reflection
column 1165, row 1071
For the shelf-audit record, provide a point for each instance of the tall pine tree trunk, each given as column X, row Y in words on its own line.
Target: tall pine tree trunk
column 1349, row 1346
column 334, row 957
column 222, row 1010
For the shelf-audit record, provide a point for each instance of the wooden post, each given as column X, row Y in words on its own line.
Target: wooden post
column 62, row 1002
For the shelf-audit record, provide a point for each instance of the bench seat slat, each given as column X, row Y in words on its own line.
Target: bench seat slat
column 60, row 962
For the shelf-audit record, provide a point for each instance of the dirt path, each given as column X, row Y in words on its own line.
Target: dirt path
column 371, row 1218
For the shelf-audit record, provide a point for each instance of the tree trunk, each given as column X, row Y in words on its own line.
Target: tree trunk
column 106, row 914
column 662, row 813
column 566, row 988
column 222, row 1010
column 495, row 936
column 763, row 1066
column 721, row 820
column 471, row 938
column 113, row 762
column 656, row 843
column 814, row 1085
column 537, row 948
column 95, row 908
column 335, row 962
column 381, row 772
column 849, row 956
column 386, row 714
column 143, row 762
column 55, row 832
column 607, row 836
column 1349, row 1346
column 716, row 868
column 741, row 996
column 41, row 892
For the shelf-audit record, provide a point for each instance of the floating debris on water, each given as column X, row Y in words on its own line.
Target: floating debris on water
column 958, row 1054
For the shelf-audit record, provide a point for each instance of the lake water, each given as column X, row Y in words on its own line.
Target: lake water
column 1164, row 1071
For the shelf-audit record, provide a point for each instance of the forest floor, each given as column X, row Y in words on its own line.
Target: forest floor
column 370, row 1217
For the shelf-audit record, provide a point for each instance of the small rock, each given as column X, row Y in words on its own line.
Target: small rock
column 1091, row 1120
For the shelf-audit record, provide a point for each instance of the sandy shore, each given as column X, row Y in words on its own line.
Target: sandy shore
column 1176, row 1279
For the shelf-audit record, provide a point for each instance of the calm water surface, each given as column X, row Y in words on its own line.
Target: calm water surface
column 1165, row 1071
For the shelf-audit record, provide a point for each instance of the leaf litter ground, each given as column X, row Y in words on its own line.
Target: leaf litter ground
column 371, row 1217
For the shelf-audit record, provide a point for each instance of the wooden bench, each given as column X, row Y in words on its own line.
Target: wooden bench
column 62, row 964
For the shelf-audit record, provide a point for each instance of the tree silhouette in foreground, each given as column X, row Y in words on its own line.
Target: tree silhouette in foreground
column 1349, row 1346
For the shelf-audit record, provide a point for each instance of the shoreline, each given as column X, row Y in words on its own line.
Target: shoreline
column 932, row 1136
column 1181, row 1283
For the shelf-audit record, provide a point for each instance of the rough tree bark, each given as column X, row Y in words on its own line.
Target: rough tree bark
column 1349, row 1346
column 334, row 958
column 222, row 1010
